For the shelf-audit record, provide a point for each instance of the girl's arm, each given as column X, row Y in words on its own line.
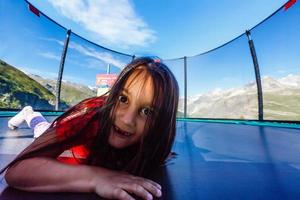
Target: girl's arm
column 44, row 174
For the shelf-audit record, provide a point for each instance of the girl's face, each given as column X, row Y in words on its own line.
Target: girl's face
column 132, row 110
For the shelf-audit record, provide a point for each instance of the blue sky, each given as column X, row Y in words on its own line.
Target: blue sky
column 168, row 29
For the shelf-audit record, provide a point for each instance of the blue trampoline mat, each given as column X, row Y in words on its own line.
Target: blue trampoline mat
column 214, row 161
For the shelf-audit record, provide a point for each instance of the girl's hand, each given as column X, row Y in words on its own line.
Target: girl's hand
column 117, row 185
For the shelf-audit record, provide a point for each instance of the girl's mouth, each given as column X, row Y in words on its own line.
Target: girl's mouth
column 121, row 132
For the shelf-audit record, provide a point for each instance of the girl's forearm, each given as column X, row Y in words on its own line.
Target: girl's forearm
column 43, row 174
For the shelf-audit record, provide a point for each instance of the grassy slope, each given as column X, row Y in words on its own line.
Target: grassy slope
column 284, row 107
column 71, row 93
column 15, row 84
column 18, row 89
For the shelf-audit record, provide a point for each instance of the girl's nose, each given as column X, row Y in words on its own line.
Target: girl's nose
column 128, row 117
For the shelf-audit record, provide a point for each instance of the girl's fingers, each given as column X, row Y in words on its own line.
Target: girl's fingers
column 119, row 193
column 137, row 190
column 152, row 188
column 151, row 182
column 121, row 186
column 149, row 185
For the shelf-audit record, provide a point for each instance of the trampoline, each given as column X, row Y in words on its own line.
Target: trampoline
column 215, row 155
column 213, row 161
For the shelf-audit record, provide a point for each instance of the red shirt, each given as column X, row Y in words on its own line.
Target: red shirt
column 81, row 121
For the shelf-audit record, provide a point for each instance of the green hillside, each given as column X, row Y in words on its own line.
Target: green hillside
column 71, row 93
column 18, row 90
column 282, row 106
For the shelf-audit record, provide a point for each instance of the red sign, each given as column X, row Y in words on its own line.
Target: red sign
column 106, row 79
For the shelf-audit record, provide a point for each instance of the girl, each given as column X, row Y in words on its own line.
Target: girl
column 118, row 139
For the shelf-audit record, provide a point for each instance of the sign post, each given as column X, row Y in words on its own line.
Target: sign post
column 104, row 82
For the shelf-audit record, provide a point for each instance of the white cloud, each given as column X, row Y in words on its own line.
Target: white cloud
column 103, row 56
column 61, row 43
column 87, row 51
column 114, row 21
column 49, row 55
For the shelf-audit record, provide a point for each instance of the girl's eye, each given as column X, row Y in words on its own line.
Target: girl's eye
column 146, row 111
column 123, row 99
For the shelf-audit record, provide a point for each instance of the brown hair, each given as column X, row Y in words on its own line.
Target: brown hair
column 154, row 147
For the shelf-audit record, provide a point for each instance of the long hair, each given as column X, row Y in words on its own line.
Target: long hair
column 159, row 133
column 160, row 128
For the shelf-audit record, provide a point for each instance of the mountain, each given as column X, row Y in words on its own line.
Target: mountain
column 18, row 90
column 71, row 93
column 280, row 98
column 291, row 80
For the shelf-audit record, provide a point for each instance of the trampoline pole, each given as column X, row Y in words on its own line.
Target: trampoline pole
column 257, row 75
column 61, row 69
column 185, row 86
